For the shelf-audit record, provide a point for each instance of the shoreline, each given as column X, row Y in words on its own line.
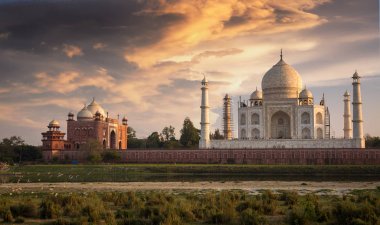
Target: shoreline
column 334, row 188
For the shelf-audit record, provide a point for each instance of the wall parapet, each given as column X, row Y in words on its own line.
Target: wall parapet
column 316, row 156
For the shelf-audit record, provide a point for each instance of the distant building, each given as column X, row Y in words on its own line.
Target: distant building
column 284, row 115
column 92, row 124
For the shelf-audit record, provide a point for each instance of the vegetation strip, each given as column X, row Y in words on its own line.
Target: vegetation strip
column 197, row 207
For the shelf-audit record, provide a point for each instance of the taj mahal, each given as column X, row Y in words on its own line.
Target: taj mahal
column 284, row 114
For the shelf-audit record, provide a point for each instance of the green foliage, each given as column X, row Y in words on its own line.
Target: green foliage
column 8, row 217
column 110, row 156
column 154, row 141
column 216, row 135
column 25, row 209
column 189, row 134
column 209, row 207
column 372, row 141
column 50, row 210
column 14, row 150
column 131, row 133
column 168, row 134
column 251, row 217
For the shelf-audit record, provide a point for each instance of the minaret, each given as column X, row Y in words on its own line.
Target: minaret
column 227, row 124
column 204, row 142
column 357, row 120
column 347, row 116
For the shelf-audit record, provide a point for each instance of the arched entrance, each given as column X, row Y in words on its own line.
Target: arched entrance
column 113, row 140
column 280, row 126
column 104, row 144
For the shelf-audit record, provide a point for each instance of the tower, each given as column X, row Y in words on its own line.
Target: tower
column 347, row 116
column 204, row 142
column 227, row 124
column 357, row 119
column 52, row 141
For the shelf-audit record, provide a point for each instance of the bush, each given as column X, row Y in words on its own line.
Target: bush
column 50, row 210
column 251, row 217
column 290, row 198
column 28, row 209
column 19, row 220
column 8, row 217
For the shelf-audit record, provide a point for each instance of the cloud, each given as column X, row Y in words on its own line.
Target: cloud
column 99, row 45
column 211, row 20
column 72, row 50
column 69, row 81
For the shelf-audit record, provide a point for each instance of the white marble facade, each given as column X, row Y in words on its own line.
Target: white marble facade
column 284, row 115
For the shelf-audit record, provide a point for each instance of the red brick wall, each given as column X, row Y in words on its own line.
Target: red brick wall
column 249, row 156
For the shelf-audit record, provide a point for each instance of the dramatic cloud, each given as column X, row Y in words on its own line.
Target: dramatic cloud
column 210, row 20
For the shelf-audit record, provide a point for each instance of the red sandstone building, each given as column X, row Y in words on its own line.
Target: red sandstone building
column 92, row 124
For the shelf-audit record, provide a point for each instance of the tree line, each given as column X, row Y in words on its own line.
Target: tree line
column 166, row 139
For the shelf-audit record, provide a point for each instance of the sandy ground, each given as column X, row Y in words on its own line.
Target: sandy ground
column 337, row 188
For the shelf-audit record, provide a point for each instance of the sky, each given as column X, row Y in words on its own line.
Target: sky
column 144, row 59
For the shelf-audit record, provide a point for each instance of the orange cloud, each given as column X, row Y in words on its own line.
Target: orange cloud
column 66, row 82
column 211, row 20
column 72, row 50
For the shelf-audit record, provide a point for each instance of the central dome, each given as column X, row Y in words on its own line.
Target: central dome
column 94, row 107
column 282, row 81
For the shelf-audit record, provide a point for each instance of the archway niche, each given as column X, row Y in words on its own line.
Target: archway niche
column 113, row 140
column 280, row 126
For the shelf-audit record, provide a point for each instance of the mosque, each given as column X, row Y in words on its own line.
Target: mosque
column 284, row 115
column 92, row 122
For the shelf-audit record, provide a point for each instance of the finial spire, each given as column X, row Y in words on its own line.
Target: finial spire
column 281, row 54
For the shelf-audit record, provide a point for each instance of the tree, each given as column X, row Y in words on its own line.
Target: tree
column 372, row 141
column 168, row 133
column 131, row 133
column 189, row 134
column 216, row 135
column 110, row 156
column 93, row 149
column 154, row 141
column 14, row 149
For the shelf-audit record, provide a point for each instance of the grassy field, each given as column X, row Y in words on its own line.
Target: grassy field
column 187, row 172
column 205, row 207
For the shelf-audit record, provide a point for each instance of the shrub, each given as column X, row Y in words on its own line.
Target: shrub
column 19, row 220
column 28, row 209
column 289, row 197
column 8, row 217
column 251, row 217
column 49, row 209
column 303, row 213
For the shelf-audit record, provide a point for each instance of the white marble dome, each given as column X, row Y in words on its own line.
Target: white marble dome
column 94, row 107
column 256, row 95
column 85, row 114
column 281, row 81
column 305, row 93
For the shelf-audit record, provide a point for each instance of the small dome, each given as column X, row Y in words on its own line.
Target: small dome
column 257, row 95
column 70, row 114
column 54, row 123
column 226, row 96
column 84, row 114
column 346, row 93
column 93, row 107
column 125, row 118
column 281, row 81
column 305, row 93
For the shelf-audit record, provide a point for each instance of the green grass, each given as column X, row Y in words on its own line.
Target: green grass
column 188, row 172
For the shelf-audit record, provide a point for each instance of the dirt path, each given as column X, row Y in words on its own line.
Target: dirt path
column 252, row 186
